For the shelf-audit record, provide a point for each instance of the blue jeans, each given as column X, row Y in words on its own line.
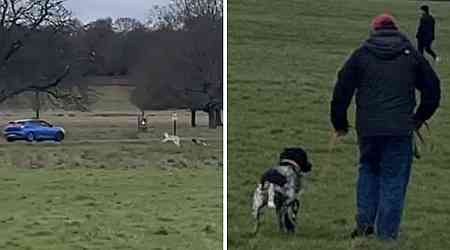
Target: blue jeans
column 384, row 171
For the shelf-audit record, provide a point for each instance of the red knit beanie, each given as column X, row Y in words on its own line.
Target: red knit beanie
column 384, row 21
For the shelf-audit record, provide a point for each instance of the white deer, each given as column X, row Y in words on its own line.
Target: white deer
column 173, row 138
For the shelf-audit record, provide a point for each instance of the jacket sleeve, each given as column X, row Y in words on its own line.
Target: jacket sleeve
column 433, row 29
column 347, row 82
column 428, row 84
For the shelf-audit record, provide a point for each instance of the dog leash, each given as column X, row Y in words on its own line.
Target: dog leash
column 418, row 134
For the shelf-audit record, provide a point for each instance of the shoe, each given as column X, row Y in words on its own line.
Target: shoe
column 362, row 232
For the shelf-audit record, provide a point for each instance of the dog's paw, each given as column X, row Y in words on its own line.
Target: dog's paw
column 255, row 229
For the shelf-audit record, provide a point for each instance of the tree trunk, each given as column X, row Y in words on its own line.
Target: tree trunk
column 38, row 104
column 193, row 118
column 212, row 119
column 218, row 118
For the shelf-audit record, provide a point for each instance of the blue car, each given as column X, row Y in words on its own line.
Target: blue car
column 32, row 130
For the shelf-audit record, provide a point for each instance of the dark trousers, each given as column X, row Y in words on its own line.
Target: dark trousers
column 426, row 45
column 384, row 171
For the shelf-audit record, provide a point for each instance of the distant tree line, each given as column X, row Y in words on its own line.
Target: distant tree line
column 174, row 59
column 181, row 65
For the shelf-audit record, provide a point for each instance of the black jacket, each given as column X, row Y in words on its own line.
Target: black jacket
column 425, row 31
column 385, row 72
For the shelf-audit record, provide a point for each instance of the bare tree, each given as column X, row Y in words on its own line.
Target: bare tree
column 99, row 38
column 192, row 72
column 163, row 17
column 179, row 13
column 209, row 100
column 127, row 24
column 26, row 16
column 204, row 56
column 159, row 73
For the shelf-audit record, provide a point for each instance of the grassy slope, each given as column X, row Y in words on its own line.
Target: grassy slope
column 283, row 58
column 114, row 98
column 111, row 98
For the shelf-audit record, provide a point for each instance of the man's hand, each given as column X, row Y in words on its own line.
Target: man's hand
column 418, row 124
column 340, row 133
column 336, row 138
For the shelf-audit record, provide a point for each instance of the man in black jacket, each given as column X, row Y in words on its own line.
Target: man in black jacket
column 385, row 72
column 425, row 32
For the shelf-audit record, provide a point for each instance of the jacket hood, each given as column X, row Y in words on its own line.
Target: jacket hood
column 387, row 44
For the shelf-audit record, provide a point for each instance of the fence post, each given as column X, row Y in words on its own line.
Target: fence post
column 174, row 119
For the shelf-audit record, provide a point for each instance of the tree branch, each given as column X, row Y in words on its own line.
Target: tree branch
column 4, row 95
column 5, row 6
column 30, row 15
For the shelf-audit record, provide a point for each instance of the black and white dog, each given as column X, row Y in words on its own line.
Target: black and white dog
column 280, row 188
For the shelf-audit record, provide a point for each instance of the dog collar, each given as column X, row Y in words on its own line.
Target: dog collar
column 290, row 162
column 294, row 164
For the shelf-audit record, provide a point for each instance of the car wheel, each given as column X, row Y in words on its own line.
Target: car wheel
column 59, row 136
column 10, row 139
column 30, row 137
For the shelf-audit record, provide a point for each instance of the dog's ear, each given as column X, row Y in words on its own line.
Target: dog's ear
column 306, row 167
column 298, row 155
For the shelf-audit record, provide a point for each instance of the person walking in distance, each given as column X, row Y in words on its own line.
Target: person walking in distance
column 425, row 33
column 385, row 73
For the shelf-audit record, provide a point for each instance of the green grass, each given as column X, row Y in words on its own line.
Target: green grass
column 282, row 62
column 110, row 196
column 107, row 186
column 110, row 209
column 113, row 98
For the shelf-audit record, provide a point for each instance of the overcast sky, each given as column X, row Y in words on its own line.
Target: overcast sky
column 90, row 10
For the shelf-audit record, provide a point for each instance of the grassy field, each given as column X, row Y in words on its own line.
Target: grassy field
column 108, row 186
column 282, row 64
column 111, row 98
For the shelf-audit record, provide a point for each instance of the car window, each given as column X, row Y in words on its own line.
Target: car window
column 44, row 124
column 30, row 123
column 33, row 123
